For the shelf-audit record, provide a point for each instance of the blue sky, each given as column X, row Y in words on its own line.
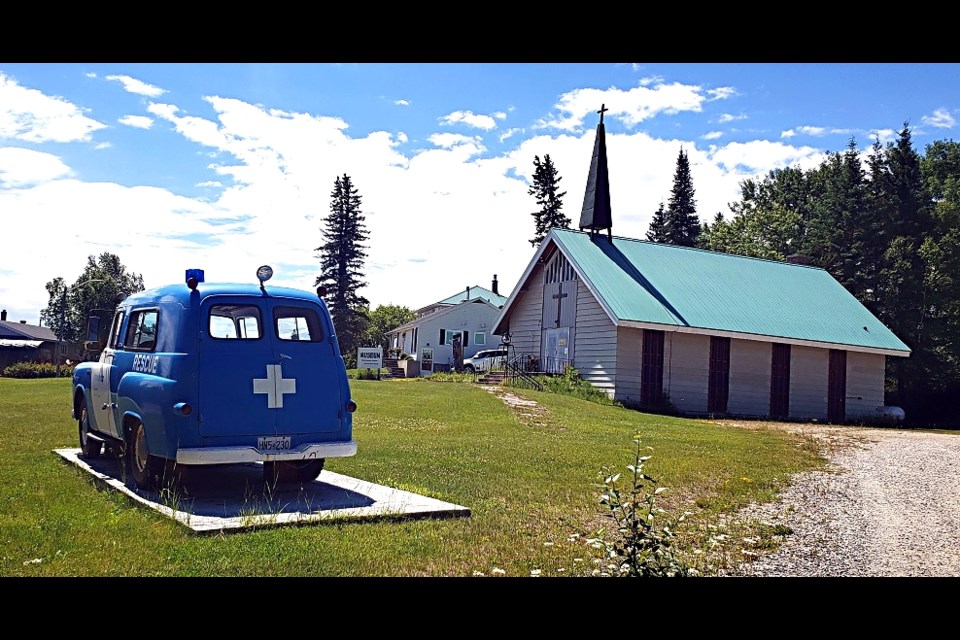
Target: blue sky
column 225, row 167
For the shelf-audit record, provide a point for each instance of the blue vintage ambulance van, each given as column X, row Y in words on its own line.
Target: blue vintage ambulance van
column 211, row 374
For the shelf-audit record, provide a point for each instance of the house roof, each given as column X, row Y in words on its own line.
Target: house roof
column 19, row 344
column 654, row 285
column 20, row 330
column 439, row 314
column 475, row 292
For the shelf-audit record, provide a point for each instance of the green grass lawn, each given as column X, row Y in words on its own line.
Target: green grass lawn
column 531, row 483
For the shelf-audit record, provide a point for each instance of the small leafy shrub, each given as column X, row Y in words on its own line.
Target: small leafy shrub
column 36, row 370
column 366, row 374
column 641, row 547
column 571, row 384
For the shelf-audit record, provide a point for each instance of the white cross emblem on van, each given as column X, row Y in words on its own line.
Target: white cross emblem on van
column 274, row 385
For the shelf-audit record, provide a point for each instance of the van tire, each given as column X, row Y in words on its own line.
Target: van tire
column 89, row 447
column 147, row 470
column 292, row 472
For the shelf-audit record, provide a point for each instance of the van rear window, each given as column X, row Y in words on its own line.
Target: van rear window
column 234, row 322
column 297, row 324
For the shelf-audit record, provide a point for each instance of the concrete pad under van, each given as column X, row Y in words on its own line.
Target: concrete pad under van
column 233, row 497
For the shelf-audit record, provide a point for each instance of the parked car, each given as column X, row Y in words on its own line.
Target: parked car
column 486, row 360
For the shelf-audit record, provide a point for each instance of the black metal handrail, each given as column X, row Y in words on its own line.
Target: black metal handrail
column 519, row 376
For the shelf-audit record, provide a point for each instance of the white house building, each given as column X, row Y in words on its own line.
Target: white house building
column 459, row 325
column 666, row 327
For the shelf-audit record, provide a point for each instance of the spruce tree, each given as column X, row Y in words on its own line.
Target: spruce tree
column 546, row 185
column 341, row 266
column 679, row 224
column 658, row 230
column 684, row 224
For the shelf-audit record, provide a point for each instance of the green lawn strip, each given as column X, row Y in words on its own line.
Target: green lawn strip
column 532, row 489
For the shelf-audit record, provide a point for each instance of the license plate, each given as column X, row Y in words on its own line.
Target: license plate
column 273, row 443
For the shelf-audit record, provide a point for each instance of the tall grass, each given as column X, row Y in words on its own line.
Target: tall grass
column 531, row 485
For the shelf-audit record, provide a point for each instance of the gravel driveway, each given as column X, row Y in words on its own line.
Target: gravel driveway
column 888, row 505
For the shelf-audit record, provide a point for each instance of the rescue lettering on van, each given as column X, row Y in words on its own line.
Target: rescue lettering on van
column 145, row 363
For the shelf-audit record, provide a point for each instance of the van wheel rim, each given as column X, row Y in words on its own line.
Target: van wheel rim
column 141, row 450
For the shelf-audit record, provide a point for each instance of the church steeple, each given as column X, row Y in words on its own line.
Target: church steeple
column 596, row 201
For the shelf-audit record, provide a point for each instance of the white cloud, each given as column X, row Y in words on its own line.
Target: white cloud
column 759, row 156
column 940, row 118
column 402, row 103
column 883, row 135
column 138, row 122
column 509, row 133
column 471, row 119
column 817, row 132
column 632, row 106
column 268, row 191
column 31, row 116
column 450, row 140
column 729, row 117
column 721, row 93
column 139, row 87
column 713, row 135
column 22, row 167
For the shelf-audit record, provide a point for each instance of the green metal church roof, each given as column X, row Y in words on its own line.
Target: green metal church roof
column 647, row 282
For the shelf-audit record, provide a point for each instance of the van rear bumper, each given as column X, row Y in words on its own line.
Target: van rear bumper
column 232, row 455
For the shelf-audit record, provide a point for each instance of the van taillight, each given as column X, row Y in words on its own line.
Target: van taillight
column 183, row 408
column 351, row 406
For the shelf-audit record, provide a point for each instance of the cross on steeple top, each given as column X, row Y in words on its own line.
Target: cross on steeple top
column 603, row 108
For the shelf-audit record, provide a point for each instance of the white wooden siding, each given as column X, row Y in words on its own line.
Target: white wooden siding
column 525, row 317
column 629, row 349
column 865, row 380
column 750, row 363
column 686, row 369
column 466, row 316
column 809, row 369
column 595, row 346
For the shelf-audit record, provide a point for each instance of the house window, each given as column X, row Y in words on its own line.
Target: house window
column 837, row 386
column 447, row 336
column 780, row 382
column 651, row 372
column 719, row 389
column 480, row 338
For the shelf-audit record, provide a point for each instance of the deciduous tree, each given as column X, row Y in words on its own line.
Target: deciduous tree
column 103, row 281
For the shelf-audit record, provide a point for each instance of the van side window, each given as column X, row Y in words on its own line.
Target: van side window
column 234, row 322
column 297, row 323
column 115, row 334
column 142, row 330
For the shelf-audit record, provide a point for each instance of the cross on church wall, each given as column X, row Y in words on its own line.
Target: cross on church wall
column 558, row 296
